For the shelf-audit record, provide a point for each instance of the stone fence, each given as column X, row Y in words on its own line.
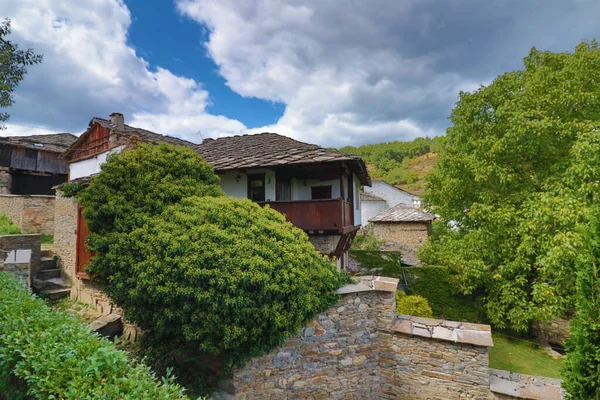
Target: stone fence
column 33, row 214
column 510, row 385
column 20, row 256
column 360, row 348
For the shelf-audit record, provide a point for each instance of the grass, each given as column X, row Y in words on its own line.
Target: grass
column 7, row 227
column 523, row 357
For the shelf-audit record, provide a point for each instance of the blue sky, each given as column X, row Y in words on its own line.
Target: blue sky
column 166, row 38
column 321, row 71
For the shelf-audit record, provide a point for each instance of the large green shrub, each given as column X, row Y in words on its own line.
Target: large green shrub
column 582, row 365
column 412, row 305
column 7, row 227
column 46, row 354
column 223, row 274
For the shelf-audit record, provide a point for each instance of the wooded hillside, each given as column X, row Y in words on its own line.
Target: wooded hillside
column 404, row 164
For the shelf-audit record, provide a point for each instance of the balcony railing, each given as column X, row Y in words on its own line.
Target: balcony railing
column 316, row 215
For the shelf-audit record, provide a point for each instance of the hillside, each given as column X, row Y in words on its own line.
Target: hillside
column 403, row 164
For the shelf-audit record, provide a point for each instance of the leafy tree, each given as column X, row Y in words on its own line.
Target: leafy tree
column 13, row 63
column 581, row 377
column 198, row 271
column 515, row 178
column 218, row 275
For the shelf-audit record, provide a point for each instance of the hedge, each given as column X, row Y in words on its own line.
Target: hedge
column 48, row 354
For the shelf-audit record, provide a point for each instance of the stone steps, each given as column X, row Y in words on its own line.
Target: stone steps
column 48, row 274
column 49, row 284
column 47, row 263
column 56, row 294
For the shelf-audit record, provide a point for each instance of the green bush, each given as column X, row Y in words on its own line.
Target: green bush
column 46, row 354
column 365, row 241
column 435, row 284
column 7, row 227
column 412, row 305
column 388, row 263
column 224, row 275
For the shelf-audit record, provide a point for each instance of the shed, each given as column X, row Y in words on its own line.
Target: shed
column 402, row 225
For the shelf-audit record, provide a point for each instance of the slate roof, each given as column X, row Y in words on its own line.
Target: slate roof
column 365, row 196
column 56, row 143
column 270, row 150
column 402, row 213
column 144, row 135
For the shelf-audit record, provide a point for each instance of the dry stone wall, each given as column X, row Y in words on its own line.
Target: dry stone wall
column 33, row 214
column 20, row 256
column 359, row 349
column 511, row 385
column 410, row 234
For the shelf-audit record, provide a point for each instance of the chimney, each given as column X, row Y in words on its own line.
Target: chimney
column 117, row 120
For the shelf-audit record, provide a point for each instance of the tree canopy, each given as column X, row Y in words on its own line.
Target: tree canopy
column 193, row 268
column 517, row 173
column 13, row 63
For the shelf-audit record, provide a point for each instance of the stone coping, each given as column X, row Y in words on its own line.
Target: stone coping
column 525, row 386
column 452, row 331
column 370, row 283
column 28, row 195
column 21, row 234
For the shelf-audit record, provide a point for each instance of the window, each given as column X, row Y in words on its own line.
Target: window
column 320, row 192
column 283, row 189
column 256, row 187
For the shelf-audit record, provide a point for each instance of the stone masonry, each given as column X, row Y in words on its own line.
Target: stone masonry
column 359, row 349
column 26, row 268
column 411, row 234
column 33, row 214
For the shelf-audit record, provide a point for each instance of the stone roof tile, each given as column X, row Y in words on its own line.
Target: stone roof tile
column 402, row 213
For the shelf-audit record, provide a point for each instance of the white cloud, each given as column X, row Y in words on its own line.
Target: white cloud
column 89, row 70
column 365, row 71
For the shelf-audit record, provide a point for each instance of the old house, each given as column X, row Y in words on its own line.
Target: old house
column 402, row 225
column 316, row 188
column 30, row 165
column 390, row 194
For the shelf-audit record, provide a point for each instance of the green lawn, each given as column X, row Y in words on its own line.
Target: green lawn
column 523, row 357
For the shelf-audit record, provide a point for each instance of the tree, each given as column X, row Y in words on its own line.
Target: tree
column 194, row 269
column 515, row 178
column 581, row 376
column 13, row 63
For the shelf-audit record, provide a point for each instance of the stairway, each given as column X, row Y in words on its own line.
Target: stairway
column 48, row 282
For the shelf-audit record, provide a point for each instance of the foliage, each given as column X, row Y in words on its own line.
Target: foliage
column 391, row 162
column 582, row 365
column 13, row 63
column 514, row 179
column 385, row 263
column 48, row 354
column 524, row 357
column 435, row 284
column 7, row 227
column 366, row 241
column 412, row 305
column 223, row 274
column 47, row 238
column 71, row 189
column 140, row 183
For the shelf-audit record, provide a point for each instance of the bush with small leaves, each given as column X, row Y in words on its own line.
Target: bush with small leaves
column 414, row 305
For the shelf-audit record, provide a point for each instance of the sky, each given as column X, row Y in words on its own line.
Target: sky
column 329, row 72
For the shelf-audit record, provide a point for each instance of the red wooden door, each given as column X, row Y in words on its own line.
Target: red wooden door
column 83, row 255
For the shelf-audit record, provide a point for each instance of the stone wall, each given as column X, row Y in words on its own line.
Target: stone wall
column 410, row 234
column 5, row 181
column 360, row 349
column 511, row 385
column 554, row 331
column 20, row 255
column 33, row 214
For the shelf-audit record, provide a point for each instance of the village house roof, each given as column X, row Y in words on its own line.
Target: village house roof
column 128, row 131
column 366, row 196
column 271, row 150
column 56, row 143
column 402, row 213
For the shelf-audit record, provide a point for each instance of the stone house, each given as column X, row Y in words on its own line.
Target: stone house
column 317, row 189
column 403, row 225
column 391, row 195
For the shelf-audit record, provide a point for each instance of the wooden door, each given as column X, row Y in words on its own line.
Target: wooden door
column 83, row 255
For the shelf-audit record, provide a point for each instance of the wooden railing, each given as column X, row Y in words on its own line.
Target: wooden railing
column 316, row 215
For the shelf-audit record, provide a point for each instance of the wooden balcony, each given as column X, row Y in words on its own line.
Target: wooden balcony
column 317, row 215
